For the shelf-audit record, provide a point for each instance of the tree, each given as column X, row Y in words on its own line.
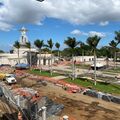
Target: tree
column 17, row 45
column 117, row 37
column 93, row 42
column 57, row 45
column 113, row 45
column 72, row 44
column 28, row 45
column 1, row 51
column 50, row 46
column 66, row 53
column 45, row 50
column 39, row 44
column 82, row 46
column 105, row 51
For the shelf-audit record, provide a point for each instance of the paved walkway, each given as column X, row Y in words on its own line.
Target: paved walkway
column 60, row 77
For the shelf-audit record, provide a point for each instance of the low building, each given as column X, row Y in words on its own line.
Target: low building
column 83, row 58
column 12, row 58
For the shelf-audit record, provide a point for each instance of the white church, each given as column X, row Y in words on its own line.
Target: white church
column 12, row 58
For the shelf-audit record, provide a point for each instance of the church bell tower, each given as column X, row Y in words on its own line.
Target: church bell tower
column 23, row 37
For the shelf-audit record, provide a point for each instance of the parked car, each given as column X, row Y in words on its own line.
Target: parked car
column 10, row 79
column 22, row 66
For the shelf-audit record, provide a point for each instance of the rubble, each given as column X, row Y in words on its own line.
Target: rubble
column 30, row 102
column 104, row 96
column 52, row 107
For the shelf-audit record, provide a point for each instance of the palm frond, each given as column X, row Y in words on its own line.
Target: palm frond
column 71, row 42
column 113, row 44
column 57, row 45
column 16, row 44
column 39, row 43
column 117, row 37
column 93, row 41
column 28, row 45
column 50, row 44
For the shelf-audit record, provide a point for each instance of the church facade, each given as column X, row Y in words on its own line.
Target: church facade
column 12, row 58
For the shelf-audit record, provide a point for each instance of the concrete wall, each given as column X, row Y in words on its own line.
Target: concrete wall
column 12, row 59
column 83, row 58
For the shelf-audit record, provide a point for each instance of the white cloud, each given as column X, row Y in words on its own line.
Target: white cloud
column 90, row 33
column 73, row 11
column 4, row 26
column 100, row 34
column 76, row 32
column 104, row 23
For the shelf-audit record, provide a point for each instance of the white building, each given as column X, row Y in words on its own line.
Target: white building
column 90, row 60
column 12, row 58
column 83, row 58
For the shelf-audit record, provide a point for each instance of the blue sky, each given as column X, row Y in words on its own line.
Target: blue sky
column 46, row 20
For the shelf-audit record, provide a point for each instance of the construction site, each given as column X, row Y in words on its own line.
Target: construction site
column 36, row 97
column 69, row 69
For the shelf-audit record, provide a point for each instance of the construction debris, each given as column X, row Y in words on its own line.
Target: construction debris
column 104, row 96
column 52, row 107
column 30, row 103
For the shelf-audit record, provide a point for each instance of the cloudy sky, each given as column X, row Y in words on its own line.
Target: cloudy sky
column 58, row 19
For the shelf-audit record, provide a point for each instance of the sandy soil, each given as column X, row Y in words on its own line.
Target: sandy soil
column 79, row 106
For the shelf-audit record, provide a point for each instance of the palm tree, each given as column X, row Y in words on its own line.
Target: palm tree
column 105, row 51
column 117, row 37
column 113, row 45
column 39, row 44
column 17, row 45
column 93, row 42
column 28, row 45
column 72, row 44
column 50, row 46
column 57, row 45
column 82, row 46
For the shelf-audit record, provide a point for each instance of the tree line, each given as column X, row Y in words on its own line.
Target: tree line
column 83, row 48
column 75, row 48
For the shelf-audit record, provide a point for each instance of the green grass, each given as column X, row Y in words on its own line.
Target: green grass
column 103, row 87
column 43, row 73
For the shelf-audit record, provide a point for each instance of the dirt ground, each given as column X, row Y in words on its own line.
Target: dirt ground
column 76, row 105
column 79, row 106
